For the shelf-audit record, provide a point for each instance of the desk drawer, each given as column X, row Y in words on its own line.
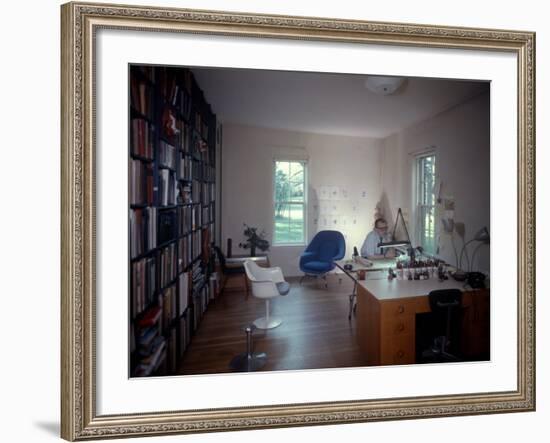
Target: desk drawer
column 397, row 350
column 397, row 319
column 398, row 327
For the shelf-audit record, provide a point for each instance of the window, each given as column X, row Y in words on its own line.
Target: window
column 425, row 201
column 289, row 202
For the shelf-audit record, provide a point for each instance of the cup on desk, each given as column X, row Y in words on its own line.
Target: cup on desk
column 361, row 274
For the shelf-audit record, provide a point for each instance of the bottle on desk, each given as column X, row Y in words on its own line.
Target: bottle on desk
column 355, row 254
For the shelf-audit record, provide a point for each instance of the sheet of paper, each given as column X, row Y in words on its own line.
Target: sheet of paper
column 334, row 193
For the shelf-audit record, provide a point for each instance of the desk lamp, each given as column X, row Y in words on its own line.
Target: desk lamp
column 397, row 243
column 482, row 236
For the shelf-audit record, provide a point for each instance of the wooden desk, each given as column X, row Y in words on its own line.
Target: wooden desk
column 368, row 266
column 386, row 319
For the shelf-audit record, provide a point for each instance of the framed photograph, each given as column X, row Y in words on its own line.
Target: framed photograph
column 210, row 163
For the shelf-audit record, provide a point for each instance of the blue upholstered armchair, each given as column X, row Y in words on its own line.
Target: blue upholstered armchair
column 323, row 250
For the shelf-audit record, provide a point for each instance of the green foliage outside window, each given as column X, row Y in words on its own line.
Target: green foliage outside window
column 289, row 202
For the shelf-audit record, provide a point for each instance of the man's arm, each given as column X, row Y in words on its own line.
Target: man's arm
column 369, row 248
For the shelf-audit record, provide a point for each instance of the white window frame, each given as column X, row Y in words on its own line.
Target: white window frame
column 419, row 205
column 304, row 203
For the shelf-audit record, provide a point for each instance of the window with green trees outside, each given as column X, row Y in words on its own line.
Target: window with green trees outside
column 289, row 202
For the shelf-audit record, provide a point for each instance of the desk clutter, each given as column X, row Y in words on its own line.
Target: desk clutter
column 419, row 270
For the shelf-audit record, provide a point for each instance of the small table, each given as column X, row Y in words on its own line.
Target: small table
column 237, row 261
column 362, row 264
column 261, row 260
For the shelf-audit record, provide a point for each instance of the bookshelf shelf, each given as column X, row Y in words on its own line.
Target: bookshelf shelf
column 172, row 155
column 143, row 159
column 138, row 114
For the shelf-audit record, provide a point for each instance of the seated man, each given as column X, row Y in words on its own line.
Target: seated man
column 379, row 234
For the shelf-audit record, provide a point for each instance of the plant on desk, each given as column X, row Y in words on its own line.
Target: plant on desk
column 254, row 240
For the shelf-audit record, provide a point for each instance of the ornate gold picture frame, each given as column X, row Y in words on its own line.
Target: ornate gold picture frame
column 80, row 23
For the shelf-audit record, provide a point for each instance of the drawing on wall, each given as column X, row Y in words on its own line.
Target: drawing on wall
column 334, row 193
column 336, row 210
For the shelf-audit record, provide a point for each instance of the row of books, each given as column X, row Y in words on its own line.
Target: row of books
column 143, row 284
column 200, row 302
column 167, row 302
column 168, row 84
column 141, row 97
column 167, row 155
column 167, row 265
column 173, row 79
column 208, row 193
column 142, row 138
column 183, row 292
column 208, row 173
column 143, row 230
column 196, row 191
column 185, row 167
column 185, row 253
column 150, row 363
column 141, row 182
column 199, row 149
column 208, row 214
column 177, row 340
column 167, row 187
column 172, row 351
column 146, row 70
column 185, row 219
column 151, row 344
column 170, row 125
column 197, row 277
column 166, row 226
column 196, row 243
column 196, row 218
column 184, row 104
column 183, row 141
column 201, row 125
column 189, row 248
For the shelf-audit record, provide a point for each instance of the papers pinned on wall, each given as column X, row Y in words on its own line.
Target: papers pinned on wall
column 323, row 193
column 334, row 193
column 344, row 194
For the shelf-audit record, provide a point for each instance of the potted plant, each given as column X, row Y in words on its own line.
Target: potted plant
column 254, row 240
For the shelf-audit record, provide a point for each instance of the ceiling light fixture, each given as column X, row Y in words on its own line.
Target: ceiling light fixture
column 383, row 85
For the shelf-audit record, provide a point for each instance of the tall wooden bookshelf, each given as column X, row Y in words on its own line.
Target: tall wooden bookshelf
column 172, row 175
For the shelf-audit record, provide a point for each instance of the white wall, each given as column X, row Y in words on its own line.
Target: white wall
column 460, row 137
column 247, row 182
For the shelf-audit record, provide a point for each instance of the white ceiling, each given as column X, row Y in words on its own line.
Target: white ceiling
column 326, row 103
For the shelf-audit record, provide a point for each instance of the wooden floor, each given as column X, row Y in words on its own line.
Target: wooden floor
column 315, row 332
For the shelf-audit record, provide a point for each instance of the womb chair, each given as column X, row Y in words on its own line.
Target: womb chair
column 320, row 254
column 267, row 283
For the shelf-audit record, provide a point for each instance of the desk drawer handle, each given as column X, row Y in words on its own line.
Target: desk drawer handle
column 401, row 309
column 400, row 327
column 400, row 354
